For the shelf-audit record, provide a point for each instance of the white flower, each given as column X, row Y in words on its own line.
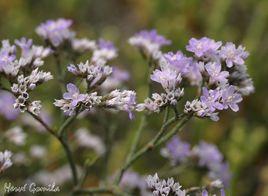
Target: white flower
column 5, row 161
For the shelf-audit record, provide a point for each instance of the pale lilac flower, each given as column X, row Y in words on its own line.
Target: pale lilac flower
column 194, row 73
column 200, row 109
column 25, row 46
column 83, row 45
column 179, row 61
column 230, row 98
column 117, row 77
column 211, row 98
column 153, row 104
column 167, row 77
column 233, row 55
column 149, row 42
column 132, row 180
column 5, row 161
column 86, row 139
column 204, row 192
column 177, row 150
column 221, row 171
column 203, row 47
column 73, row 94
column 164, row 187
column 208, row 154
column 55, row 31
column 16, row 136
column 105, row 51
column 215, row 73
column 6, row 105
column 122, row 100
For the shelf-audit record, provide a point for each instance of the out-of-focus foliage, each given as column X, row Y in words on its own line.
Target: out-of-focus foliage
column 242, row 136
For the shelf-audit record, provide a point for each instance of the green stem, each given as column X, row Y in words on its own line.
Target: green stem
column 146, row 148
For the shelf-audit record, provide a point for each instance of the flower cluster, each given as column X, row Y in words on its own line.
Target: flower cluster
column 23, row 72
column 164, row 187
column 149, row 42
column 169, row 79
column 94, row 74
column 16, row 135
column 5, row 161
column 55, row 31
column 208, row 156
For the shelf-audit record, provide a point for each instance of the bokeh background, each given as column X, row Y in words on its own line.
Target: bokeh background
column 242, row 136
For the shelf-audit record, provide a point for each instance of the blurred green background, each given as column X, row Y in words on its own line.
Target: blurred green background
column 242, row 136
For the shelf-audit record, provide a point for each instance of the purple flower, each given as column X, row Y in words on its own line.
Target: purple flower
column 25, row 45
column 194, row 73
column 233, row 55
column 221, row 171
column 215, row 73
column 204, row 192
column 230, row 98
column 6, row 105
column 73, row 94
column 149, row 42
column 105, row 44
column 203, row 47
column 153, row 37
column 55, row 31
column 178, row 149
column 167, row 77
column 208, row 154
column 122, row 100
column 117, row 77
column 179, row 61
column 211, row 99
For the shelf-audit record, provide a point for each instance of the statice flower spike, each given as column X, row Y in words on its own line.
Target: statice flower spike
column 203, row 47
column 55, row 31
column 5, row 161
column 232, row 55
column 104, row 52
column 211, row 98
column 83, row 45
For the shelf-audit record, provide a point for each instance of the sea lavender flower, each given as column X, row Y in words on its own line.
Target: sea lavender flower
column 208, row 154
column 149, row 42
column 16, row 136
column 86, row 139
column 200, row 109
column 5, row 161
column 95, row 74
column 168, row 78
column 164, row 187
column 176, row 150
column 153, row 104
column 215, row 74
column 73, row 95
column 230, row 98
column 203, row 47
column 105, row 51
column 6, row 105
column 178, row 61
column 72, row 99
column 117, row 77
column 232, row 55
column 194, row 73
column 220, row 171
column 83, row 45
column 211, row 98
column 55, row 31
column 122, row 100
column 132, row 180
